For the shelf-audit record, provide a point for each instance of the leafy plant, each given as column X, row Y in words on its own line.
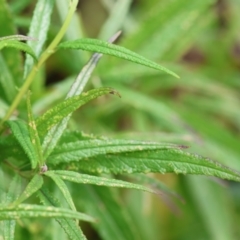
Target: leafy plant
column 45, row 152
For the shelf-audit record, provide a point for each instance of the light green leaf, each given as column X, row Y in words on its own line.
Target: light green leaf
column 62, row 110
column 70, row 227
column 33, row 186
column 95, row 45
column 78, row 150
column 38, row 29
column 162, row 161
column 7, row 82
column 36, row 211
column 17, row 45
column 21, row 133
column 62, row 186
column 96, row 180
column 32, row 128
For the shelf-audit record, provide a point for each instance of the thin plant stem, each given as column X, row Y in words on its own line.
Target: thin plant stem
column 45, row 55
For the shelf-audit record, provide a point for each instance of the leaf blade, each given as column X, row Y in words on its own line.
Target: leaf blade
column 17, row 45
column 95, row 180
column 95, row 45
column 162, row 161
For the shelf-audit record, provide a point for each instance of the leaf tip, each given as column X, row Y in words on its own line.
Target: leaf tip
column 114, row 92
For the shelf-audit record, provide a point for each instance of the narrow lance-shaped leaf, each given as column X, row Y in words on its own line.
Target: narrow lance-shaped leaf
column 17, row 37
column 33, row 186
column 161, row 161
column 78, row 150
column 62, row 110
column 17, row 45
column 62, row 186
column 21, row 133
column 96, row 180
column 70, row 227
column 36, row 211
column 34, row 133
column 95, row 45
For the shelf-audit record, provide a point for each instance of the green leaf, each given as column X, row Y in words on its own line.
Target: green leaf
column 32, row 128
column 17, row 45
column 7, row 82
column 106, row 204
column 12, row 58
column 96, row 180
column 73, row 230
column 36, row 211
column 63, row 109
column 95, row 45
column 21, row 133
column 78, row 150
column 9, row 147
column 33, row 186
column 162, row 161
column 13, row 193
column 38, row 29
column 62, row 186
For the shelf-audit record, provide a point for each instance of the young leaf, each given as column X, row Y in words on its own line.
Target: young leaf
column 62, row 186
column 38, row 29
column 36, row 211
column 62, row 110
column 18, row 45
column 95, row 45
column 78, row 150
column 34, row 133
column 96, row 180
column 162, row 161
column 70, row 227
column 21, row 133
column 33, row 186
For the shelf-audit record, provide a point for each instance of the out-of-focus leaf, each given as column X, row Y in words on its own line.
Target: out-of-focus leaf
column 73, row 231
column 12, row 58
column 38, row 29
column 106, row 204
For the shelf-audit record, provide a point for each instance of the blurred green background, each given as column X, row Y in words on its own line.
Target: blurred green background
column 200, row 41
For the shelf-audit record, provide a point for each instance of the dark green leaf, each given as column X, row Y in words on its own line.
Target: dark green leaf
column 162, row 161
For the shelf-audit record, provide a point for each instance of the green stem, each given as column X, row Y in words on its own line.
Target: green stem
column 45, row 55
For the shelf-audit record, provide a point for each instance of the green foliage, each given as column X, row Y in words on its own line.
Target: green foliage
column 51, row 168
